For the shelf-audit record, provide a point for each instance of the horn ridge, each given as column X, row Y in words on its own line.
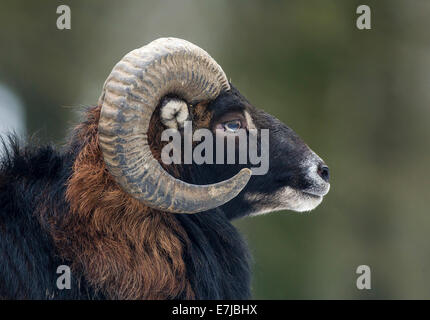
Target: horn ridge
column 130, row 95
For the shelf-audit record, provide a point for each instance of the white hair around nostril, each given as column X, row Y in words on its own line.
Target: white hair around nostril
column 317, row 173
column 174, row 112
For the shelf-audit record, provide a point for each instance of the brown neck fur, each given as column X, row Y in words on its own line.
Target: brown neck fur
column 123, row 248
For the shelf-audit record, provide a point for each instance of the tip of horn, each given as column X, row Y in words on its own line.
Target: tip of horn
column 242, row 179
column 246, row 172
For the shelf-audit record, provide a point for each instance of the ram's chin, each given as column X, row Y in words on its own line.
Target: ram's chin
column 297, row 200
column 305, row 202
column 285, row 199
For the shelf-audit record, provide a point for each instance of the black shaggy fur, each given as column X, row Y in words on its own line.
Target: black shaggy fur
column 217, row 265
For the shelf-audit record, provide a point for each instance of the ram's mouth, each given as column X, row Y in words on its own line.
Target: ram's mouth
column 305, row 201
column 300, row 200
column 312, row 195
column 287, row 198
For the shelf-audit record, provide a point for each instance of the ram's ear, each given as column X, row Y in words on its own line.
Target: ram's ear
column 174, row 112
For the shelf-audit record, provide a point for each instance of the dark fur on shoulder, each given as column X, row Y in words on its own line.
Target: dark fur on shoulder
column 28, row 259
column 62, row 207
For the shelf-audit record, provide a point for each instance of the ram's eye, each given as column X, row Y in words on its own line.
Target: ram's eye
column 232, row 126
column 230, row 122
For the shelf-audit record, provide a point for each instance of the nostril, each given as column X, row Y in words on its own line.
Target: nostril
column 324, row 172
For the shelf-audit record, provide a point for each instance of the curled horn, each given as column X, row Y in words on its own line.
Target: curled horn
column 130, row 95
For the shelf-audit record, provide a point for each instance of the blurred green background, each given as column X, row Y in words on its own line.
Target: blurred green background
column 360, row 99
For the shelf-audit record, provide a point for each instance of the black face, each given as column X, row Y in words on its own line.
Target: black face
column 297, row 179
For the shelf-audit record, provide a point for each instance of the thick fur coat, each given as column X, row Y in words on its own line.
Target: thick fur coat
column 63, row 208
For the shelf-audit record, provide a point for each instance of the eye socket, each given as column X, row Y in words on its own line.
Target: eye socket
column 232, row 125
column 230, row 122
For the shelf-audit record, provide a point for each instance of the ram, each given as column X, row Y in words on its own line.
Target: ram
column 128, row 225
